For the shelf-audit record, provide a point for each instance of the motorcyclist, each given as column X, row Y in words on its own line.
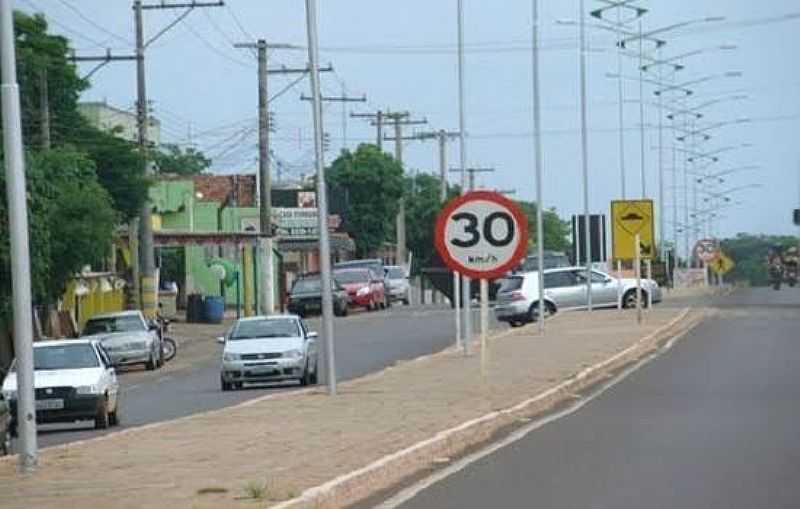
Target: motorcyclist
column 775, row 266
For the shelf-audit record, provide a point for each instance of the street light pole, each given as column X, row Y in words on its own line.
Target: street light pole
column 538, row 158
column 322, row 199
column 466, row 293
column 584, row 163
column 20, row 253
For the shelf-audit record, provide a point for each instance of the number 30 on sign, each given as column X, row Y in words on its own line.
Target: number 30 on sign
column 481, row 235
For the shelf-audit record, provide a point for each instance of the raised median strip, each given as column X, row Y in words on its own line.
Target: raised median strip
column 304, row 449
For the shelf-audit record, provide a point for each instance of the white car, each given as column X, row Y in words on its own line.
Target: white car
column 127, row 338
column 264, row 349
column 74, row 380
column 565, row 289
column 397, row 284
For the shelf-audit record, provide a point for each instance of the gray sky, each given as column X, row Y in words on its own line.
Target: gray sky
column 402, row 55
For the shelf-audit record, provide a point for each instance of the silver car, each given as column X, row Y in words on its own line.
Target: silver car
column 565, row 289
column 397, row 284
column 265, row 349
column 127, row 338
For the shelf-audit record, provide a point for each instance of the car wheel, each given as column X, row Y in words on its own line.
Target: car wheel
column 101, row 420
column 516, row 323
column 533, row 311
column 388, row 302
column 150, row 365
column 306, row 378
column 5, row 445
column 226, row 386
column 113, row 417
column 238, row 385
column 314, row 378
column 406, row 302
column 629, row 299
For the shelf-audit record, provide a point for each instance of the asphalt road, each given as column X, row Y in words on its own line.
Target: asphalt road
column 714, row 422
column 364, row 343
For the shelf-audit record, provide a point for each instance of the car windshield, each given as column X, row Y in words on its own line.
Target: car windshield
column 64, row 357
column 395, row 273
column 265, row 328
column 352, row 276
column 376, row 267
column 131, row 323
column 306, row 286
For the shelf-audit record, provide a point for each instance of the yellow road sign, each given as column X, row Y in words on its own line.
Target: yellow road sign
column 630, row 218
column 722, row 264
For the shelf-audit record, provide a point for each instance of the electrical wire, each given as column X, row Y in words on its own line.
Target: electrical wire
column 213, row 48
column 90, row 21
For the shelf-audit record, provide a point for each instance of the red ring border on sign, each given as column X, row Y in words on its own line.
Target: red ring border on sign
column 453, row 264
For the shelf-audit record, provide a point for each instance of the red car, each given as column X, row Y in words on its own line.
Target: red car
column 364, row 288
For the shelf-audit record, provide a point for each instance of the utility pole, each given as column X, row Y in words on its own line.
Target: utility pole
column 377, row 120
column 471, row 172
column 442, row 136
column 20, row 249
column 266, row 296
column 344, row 99
column 400, row 119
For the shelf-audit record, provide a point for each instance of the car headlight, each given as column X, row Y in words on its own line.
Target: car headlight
column 88, row 389
column 363, row 291
column 293, row 354
column 231, row 357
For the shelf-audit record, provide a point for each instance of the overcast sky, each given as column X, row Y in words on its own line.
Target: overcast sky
column 402, row 56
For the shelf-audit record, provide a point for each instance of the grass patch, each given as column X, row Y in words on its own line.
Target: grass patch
column 256, row 490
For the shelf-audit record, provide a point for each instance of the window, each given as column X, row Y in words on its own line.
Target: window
column 598, row 278
column 395, row 273
column 510, row 284
column 559, row 279
column 265, row 328
column 107, row 325
column 353, row 276
column 104, row 358
column 64, row 357
column 306, row 286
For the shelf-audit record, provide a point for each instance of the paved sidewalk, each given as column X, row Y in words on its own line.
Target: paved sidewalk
column 286, row 443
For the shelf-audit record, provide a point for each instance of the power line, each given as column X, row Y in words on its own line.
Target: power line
column 213, row 48
column 66, row 28
column 90, row 21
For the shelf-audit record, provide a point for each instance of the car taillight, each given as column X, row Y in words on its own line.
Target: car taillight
column 517, row 295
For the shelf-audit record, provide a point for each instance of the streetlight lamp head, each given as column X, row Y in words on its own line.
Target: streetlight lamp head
column 733, row 74
column 714, row 19
column 728, row 47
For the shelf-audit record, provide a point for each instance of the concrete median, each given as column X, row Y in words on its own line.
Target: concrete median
column 304, row 449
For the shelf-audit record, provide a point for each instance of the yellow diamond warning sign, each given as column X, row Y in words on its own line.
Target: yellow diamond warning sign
column 631, row 218
column 722, row 264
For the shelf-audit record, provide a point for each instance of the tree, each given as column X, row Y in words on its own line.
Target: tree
column 423, row 204
column 373, row 184
column 171, row 159
column 556, row 231
column 749, row 252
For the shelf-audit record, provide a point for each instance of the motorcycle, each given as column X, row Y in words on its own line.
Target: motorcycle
column 169, row 348
column 775, row 275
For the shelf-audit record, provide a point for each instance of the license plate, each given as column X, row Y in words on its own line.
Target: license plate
column 49, row 404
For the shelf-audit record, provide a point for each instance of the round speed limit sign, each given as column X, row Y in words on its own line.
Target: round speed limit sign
column 481, row 234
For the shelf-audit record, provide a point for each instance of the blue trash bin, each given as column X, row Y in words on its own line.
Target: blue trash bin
column 214, row 309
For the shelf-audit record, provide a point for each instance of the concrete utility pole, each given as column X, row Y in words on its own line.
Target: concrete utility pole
column 266, row 286
column 442, row 137
column 20, row 253
column 400, row 119
column 376, row 119
column 322, row 200
column 344, row 99
column 538, row 159
column 466, row 292
column 585, row 161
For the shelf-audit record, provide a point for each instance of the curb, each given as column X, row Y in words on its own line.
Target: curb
column 390, row 470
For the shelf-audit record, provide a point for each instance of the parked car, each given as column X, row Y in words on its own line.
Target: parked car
column 127, row 337
column 74, row 380
column 305, row 297
column 266, row 349
column 552, row 260
column 5, row 427
column 374, row 264
column 364, row 288
column 565, row 289
column 398, row 287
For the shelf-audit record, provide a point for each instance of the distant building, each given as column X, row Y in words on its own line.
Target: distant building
column 121, row 122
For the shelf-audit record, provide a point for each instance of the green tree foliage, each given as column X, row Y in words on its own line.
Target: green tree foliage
column 556, row 231
column 117, row 164
column 749, row 252
column 173, row 160
column 423, row 204
column 373, row 183
column 71, row 223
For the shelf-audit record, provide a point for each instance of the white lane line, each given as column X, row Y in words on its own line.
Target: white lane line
column 415, row 489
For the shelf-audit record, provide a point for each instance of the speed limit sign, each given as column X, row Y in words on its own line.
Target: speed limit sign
column 481, row 234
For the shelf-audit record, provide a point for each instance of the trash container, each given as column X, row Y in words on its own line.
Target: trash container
column 194, row 308
column 214, row 308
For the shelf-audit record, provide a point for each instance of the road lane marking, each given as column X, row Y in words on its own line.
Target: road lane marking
column 412, row 491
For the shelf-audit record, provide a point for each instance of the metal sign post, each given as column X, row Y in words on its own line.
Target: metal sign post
column 484, row 327
column 638, row 269
column 481, row 235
